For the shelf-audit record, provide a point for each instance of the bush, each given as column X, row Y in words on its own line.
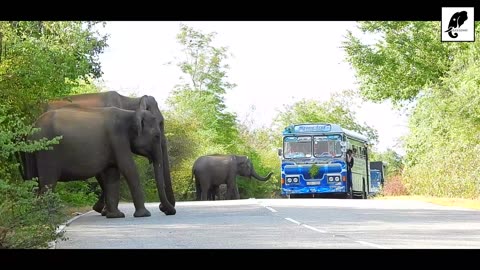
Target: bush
column 394, row 187
column 28, row 220
column 78, row 193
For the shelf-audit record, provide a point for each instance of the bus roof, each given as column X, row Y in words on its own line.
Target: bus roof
column 318, row 128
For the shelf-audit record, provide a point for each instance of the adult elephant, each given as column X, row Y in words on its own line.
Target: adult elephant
column 114, row 99
column 98, row 142
column 213, row 170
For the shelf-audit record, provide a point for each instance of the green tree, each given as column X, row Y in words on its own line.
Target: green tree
column 408, row 62
column 337, row 110
column 38, row 61
column 406, row 58
column 197, row 110
column 41, row 60
column 258, row 144
column 393, row 161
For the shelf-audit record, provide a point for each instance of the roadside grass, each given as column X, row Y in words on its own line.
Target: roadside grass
column 456, row 202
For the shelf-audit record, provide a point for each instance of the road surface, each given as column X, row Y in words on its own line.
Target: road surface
column 281, row 224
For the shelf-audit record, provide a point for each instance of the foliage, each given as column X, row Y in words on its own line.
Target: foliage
column 12, row 141
column 392, row 160
column 78, row 193
column 406, row 58
column 409, row 63
column 38, row 61
column 28, row 220
column 336, row 110
column 198, row 121
column 200, row 98
column 313, row 170
column 42, row 60
column 394, row 186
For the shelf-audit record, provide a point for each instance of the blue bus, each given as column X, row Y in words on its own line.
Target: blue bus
column 377, row 171
column 376, row 178
column 313, row 161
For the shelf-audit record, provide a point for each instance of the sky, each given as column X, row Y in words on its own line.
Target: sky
column 272, row 64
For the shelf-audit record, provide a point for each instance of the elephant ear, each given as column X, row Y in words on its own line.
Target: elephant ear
column 140, row 117
column 244, row 164
column 143, row 103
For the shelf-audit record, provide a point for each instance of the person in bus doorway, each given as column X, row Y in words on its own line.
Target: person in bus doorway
column 349, row 172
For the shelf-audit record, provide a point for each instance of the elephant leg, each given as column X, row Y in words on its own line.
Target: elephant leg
column 111, row 182
column 99, row 206
column 237, row 194
column 198, row 191
column 211, row 194
column 205, row 191
column 230, row 192
column 48, row 172
column 128, row 168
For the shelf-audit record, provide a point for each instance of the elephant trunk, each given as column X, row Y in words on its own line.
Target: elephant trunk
column 258, row 177
column 165, row 205
column 166, row 169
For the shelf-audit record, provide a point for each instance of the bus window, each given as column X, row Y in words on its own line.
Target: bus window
column 327, row 146
column 296, row 147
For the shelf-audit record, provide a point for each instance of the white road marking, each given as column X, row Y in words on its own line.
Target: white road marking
column 313, row 228
column 372, row 245
column 292, row 220
column 323, row 231
column 271, row 209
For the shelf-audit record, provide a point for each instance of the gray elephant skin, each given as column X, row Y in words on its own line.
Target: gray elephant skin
column 98, row 142
column 114, row 99
column 213, row 170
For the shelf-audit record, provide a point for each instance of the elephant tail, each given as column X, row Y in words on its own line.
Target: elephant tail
column 191, row 185
column 28, row 166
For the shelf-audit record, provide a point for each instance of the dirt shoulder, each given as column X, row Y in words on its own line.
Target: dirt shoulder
column 457, row 202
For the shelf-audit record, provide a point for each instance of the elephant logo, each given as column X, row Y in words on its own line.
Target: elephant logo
column 458, row 24
column 455, row 22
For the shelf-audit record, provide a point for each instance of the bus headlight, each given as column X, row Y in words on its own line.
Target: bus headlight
column 337, row 178
column 295, row 179
column 289, row 180
column 330, row 179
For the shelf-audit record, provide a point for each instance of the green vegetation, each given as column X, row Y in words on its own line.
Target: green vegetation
column 438, row 81
column 38, row 61
column 406, row 64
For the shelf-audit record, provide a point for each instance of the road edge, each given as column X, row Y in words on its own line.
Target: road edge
column 61, row 228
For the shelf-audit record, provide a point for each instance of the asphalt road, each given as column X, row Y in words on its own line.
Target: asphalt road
column 281, row 224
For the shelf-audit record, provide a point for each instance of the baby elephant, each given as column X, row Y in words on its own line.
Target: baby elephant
column 213, row 170
column 99, row 142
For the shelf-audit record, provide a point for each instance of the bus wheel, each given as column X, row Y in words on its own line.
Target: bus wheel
column 349, row 194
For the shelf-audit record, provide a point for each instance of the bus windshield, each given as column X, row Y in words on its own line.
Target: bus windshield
column 297, row 147
column 328, row 146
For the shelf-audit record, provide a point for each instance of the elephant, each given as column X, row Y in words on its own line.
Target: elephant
column 98, row 142
column 455, row 22
column 210, row 171
column 216, row 191
column 212, row 192
column 114, row 99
